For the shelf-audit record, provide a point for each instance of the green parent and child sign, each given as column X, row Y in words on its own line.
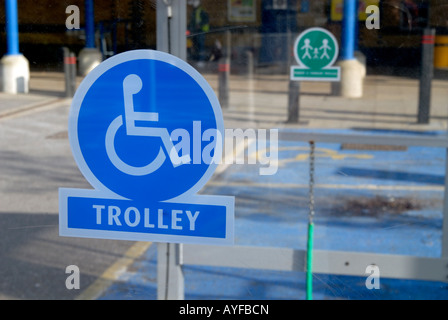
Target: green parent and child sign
column 316, row 50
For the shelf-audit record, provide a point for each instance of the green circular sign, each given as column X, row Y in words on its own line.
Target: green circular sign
column 316, row 48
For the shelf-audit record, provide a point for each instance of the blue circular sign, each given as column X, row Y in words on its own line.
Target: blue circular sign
column 145, row 125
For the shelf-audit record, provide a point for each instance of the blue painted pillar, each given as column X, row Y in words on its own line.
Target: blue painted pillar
column 357, row 26
column 89, row 57
column 305, row 7
column 348, row 37
column 12, row 27
column 14, row 67
column 90, row 24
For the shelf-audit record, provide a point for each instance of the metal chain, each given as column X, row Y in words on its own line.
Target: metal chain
column 309, row 257
column 311, row 182
column 167, row 276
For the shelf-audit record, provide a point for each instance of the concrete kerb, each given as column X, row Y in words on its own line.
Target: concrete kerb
column 12, row 104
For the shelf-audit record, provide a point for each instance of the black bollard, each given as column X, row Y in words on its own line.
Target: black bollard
column 250, row 64
column 426, row 75
column 69, row 72
column 223, row 82
column 224, row 72
column 293, row 101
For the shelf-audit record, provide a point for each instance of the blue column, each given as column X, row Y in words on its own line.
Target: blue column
column 12, row 27
column 305, row 7
column 357, row 26
column 349, row 30
column 90, row 24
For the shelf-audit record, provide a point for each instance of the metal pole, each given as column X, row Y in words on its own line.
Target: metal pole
column 12, row 27
column 426, row 75
column 294, row 86
column 171, row 38
column 170, row 276
column 172, row 27
column 445, row 212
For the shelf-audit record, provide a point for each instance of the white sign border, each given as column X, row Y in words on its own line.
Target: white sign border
column 102, row 192
column 296, row 44
column 91, row 78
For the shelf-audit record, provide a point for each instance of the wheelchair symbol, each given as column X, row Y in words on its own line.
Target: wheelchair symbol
column 132, row 85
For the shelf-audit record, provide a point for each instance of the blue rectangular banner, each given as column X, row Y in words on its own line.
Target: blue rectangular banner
column 102, row 217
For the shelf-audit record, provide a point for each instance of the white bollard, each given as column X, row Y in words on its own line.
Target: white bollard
column 14, row 74
column 88, row 59
column 352, row 78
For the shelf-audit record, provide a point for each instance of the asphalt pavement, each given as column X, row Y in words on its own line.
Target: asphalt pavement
column 36, row 160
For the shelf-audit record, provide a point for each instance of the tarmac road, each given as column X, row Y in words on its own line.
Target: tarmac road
column 36, row 160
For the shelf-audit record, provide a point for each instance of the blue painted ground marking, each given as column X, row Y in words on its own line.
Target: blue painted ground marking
column 272, row 211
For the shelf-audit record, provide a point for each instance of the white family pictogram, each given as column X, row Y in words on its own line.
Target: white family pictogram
column 316, row 51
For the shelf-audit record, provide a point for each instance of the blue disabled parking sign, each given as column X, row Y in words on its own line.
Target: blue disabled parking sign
column 146, row 130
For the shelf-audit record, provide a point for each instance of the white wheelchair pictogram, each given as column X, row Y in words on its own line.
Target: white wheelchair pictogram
column 132, row 85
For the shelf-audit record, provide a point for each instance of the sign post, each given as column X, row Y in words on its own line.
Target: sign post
column 147, row 144
column 171, row 38
column 315, row 50
column 426, row 75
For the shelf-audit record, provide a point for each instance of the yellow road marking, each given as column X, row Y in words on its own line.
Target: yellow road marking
column 96, row 289
column 303, row 154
